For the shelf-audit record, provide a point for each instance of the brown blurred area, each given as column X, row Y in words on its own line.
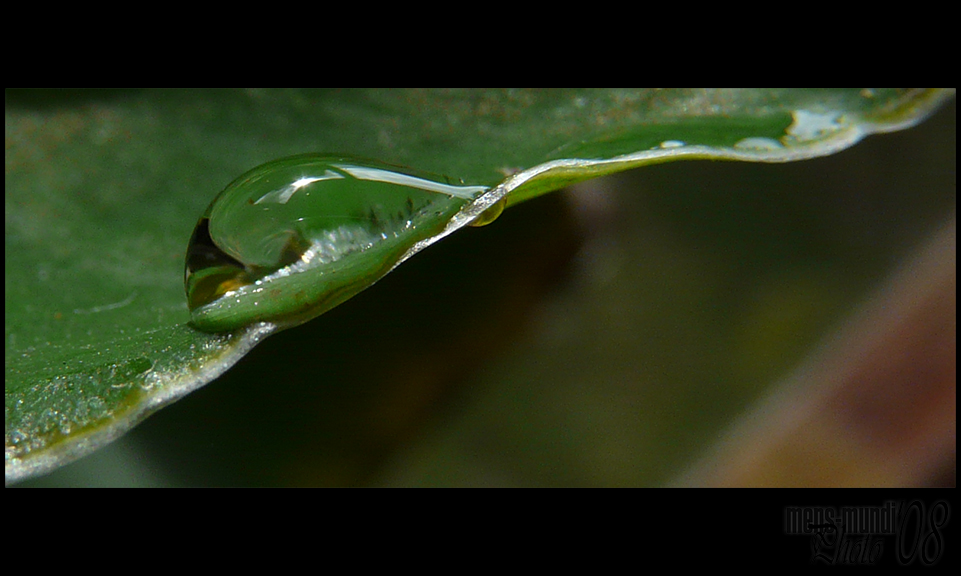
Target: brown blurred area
column 876, row 405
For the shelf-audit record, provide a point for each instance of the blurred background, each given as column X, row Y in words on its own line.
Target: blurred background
column 608, row 335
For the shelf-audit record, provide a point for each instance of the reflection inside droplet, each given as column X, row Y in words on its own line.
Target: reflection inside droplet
column 295, row 237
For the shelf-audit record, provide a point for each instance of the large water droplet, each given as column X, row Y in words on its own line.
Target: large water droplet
column 295, row 237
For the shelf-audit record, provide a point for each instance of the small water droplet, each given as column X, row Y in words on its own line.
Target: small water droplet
column 491, row 214
column 295, row 237
column 757, row 143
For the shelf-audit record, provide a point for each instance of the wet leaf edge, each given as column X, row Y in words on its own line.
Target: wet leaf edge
column 170, row 387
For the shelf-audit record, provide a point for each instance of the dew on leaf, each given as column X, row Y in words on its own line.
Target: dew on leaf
column 758, row 143
column 491, row 214
column 291, row 239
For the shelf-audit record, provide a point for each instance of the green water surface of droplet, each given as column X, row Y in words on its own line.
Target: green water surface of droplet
column 295, row 237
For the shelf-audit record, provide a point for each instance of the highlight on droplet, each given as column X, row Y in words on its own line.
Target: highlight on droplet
column 295, row 237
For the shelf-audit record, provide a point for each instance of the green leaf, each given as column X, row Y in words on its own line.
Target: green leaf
column 103, row 190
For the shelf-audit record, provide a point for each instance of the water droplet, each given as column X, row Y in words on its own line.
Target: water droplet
column 491, row 214
column 295, row 237
column 758, row 143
